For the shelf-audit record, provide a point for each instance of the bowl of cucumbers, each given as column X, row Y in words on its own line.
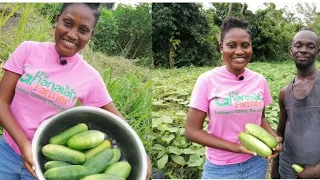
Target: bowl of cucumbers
column 88, row 143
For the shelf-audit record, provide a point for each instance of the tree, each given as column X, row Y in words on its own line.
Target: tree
column 179, row 35
column 308, row 12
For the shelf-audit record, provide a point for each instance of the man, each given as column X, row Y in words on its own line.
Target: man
column 299, row 123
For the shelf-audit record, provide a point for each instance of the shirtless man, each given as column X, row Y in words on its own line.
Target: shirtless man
column 299, row 122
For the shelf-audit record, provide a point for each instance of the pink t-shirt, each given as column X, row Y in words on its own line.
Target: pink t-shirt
column 230, row 103
column 46, row 87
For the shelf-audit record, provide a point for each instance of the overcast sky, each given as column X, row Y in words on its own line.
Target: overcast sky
column 254, row 5
column 280, row 4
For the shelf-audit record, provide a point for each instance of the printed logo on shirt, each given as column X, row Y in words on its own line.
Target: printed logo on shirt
column 243, row 103
column 46, row 90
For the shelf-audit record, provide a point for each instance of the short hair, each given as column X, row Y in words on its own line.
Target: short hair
column 93, row 6
column 308, row 29
column 230, row 23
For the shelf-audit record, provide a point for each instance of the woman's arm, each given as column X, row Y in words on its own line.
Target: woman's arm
column 194, row 132
column 111, row 108
column 7, row 90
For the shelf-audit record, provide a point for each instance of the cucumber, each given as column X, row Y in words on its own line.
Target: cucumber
column 102, row 177
column 297, row 168
column 63, row 137
column 121, row 168
column 53, row 164
column 85, row 140
column 260, row 133
column 254, row 144
column 104, row 145
column 61, row 153
column 98, row 162
column 116, row 156
column 72, row 172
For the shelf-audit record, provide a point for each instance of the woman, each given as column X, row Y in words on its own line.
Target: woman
column 232, row 96
column 43, row 79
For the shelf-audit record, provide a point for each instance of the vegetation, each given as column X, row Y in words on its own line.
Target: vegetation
column 171, row 152
column 187, row 34
column 128, row 84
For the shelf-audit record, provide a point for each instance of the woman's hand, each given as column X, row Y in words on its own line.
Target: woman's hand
column 148, row 169
column 26, row 155
column 243, row 149
column 278, row 149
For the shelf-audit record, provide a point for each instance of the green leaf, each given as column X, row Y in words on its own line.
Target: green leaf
column 201, row 151
column 188, row 151
column 181, row 114
column 161, row 153
column 195, row 160
column 172, row 129
column 180, row 132
column 174, row 150
column 166, row 119
column 162, row 127
column 156, row 122
column 158, row 147
column 180, row 142
column 167, row 138
column 178, row 159
column 162, row 161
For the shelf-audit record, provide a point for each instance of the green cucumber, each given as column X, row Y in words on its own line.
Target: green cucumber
column 260, row 133
column 98, row 162
column 104, row 145
column 254, row 144
column 72, row 172
column 116, row 156
column 297, row 168
column 121, row 168
column 63, row 137
column 53, row 164
column 61, row 153
column 102, row 177
column 85, row 140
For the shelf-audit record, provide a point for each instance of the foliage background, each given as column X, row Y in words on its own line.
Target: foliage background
column 193, row 31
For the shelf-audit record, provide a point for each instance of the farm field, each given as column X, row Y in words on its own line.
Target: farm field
column 177, row 157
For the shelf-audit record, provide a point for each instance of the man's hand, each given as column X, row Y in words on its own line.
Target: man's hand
column 276, row 151
column 26, row 155
column 308, row 173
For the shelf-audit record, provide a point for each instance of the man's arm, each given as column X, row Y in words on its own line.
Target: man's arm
column 280, row 131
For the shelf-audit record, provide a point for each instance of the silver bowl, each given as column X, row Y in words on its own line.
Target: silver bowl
column 117, row 131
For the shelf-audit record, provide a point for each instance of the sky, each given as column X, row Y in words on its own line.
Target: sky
column 254, row 5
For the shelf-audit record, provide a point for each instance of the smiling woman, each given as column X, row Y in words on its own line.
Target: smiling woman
column 36, row 86
column 230, row 103
column 74, row 28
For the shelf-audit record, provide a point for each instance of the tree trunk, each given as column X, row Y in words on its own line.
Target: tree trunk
column 152, row 65
column 230, row 9
column 243, row 8
column 171, row 56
